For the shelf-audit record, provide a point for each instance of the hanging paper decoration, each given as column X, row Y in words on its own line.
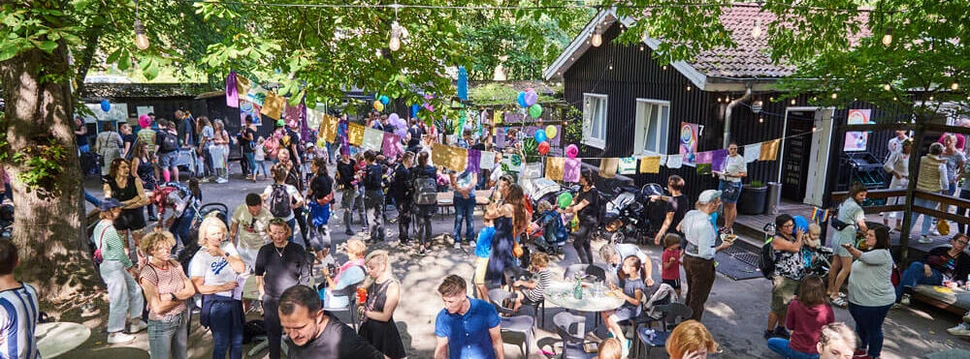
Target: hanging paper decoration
column 769, row 150
column 688, row 142
column 328, row 128
column 487, row 161
column 650, row 164
column 532, row 170
column 247, row 108
column 232, row 91
column 555, row 167
column 474, row 160
column 551, row 131
column 500, row 134
column 462, row 83
column 752, row 152
column 355, row 134
column 675, row 161
column 292, row 114
column 242, row 86
column 627, row 166
column 497, row 118
column 717, row 159
column 372, row 139
column 392, row 145
column 535, row 111
column 453, row 158
column 273, row 105
column 703, row 157
column 608, row 167
column 571, row 170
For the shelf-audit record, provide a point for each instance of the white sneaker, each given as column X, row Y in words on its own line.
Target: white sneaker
column 924, row 239
column 222, row 180
column 136, row 326
column 961, row 329
column 120, row 338
column 457, row 245
column 905, row 299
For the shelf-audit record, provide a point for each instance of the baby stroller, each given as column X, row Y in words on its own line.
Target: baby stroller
column 550, row 234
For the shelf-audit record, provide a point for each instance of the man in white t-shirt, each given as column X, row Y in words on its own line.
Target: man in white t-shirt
column 247, row 228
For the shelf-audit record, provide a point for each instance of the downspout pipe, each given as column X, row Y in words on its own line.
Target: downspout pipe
column 727, row 114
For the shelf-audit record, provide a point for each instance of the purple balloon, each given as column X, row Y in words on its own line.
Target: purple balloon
column 401, row 131
column 531, row 97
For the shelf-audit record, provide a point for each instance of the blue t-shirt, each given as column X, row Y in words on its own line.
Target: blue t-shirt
column 467, row 334
column 483, row 247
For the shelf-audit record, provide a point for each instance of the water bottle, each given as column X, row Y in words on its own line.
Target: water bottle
column 578, row 290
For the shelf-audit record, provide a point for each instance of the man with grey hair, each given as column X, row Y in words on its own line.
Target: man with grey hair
column 700, row 231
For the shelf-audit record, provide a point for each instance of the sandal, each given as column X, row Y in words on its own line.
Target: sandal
column 840, row 302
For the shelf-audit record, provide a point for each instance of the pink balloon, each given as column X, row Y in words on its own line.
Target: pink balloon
column 572, row 151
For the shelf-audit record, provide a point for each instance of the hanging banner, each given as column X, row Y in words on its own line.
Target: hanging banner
column 555, row 168
column 627, row 166
column 355, row 134
column 769, row 150
column 487, row 161
column 688, row 142
column 247, row 108
column 392, row 146
column 608, row 167
column 474, row 160
column 857, row 140
column 373, row 139
column 704, row 158
column 452, row 158
column 571, row 170
column 650, row 164
column 675, row 161
column 752, row 152
column 328, row 128
column 717, row 159
column 273, row 105
column 232, row 92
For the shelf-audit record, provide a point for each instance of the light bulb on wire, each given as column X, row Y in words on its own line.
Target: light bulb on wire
column 955, row 86
column 887, row 87
column 141, row 38
column 756, row 31
column 887, row 38
column 395, row 43
column 597, row 39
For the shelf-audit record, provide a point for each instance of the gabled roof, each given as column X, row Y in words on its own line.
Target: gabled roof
column 749, row 60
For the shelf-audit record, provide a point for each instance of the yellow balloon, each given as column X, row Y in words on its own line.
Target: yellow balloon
column 378, row 106
column 551, row 132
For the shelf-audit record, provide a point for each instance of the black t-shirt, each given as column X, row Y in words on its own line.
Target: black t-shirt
column 244, row 143
column 129, row 141
column 401, row 188
column 416, row 133
column 187, row 128
column 679, row 205
column 280, row 272
column 345, row 173
column 321, row 185
column 291, row 138
column 336, row 341
column 590, row 213
column 372, row 179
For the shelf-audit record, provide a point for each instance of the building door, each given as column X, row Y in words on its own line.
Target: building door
column 797, row 155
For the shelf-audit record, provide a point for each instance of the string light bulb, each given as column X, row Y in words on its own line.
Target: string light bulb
column 793, row 102
column 761, row 120
column 395, row 43
column 688, row 88
column 955, row 86
column 597, row 39
column 756, row 31
column 887, row 38
column 141, row 38
column 835, row 95
column 887, row 87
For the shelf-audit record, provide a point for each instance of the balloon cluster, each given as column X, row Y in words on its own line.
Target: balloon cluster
column 400, row 125
column 542, row 137
column 380, row 102
column 528, row 100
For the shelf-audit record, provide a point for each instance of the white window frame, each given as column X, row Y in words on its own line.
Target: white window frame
column 589, row 107
column 643, row 110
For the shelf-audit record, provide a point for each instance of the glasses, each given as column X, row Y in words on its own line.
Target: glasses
column 788, row 225
column 963, row 242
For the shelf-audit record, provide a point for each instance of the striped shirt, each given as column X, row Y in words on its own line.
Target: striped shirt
column 167, row 281
column 18, row 319
column 542, row 281
column 107, row 239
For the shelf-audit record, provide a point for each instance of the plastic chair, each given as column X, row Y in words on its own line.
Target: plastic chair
column 522, row 325
column 572, row 341
column 672, row 313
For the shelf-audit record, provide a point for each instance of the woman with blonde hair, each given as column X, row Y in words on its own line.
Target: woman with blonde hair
column 117, row 271
column 377, row 314
column 350, row 273
column 690, row 340
column 214, row 271
column 166, row 287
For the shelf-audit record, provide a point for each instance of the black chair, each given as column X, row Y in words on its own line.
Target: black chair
column 572, row 340
column 518, row 325
column 592, row 271
column 671, row 315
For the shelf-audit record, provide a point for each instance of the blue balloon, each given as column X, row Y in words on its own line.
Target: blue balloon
column 521, row 99
column 801, row 224
column 105, row 105
column 385, row 100
column 540, row 136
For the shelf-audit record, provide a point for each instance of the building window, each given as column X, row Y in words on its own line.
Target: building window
column 652, row 127
column 594, row 120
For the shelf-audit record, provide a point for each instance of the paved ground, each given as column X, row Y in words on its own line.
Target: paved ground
column 736, row 313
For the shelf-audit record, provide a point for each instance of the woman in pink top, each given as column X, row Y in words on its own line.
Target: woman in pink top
column 807, row 314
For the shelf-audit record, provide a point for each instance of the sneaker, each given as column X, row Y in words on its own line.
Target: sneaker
column 204, row 180
column 221, row 180
column 349, row 232
column 136, row 326
column 769, row 334
column 781, row 332
column 924, row 239
column 120, row 338
column 905, row 299
column 962, row 330
column 152, row 218
column 457, row 245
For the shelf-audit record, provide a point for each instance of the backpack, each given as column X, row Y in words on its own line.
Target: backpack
column 279, row 202
column 167, row 142
column 425, row 191
column 766, row 261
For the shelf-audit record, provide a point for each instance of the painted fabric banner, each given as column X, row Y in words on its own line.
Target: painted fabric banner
column 688, row 142
column 453, row 158
column 571, row 170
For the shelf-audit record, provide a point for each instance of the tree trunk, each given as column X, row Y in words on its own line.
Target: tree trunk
column 48, row 216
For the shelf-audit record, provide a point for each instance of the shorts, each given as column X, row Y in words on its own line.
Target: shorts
column 840, row 238
column 731, row 191
column 481, row 266
column 166, row 160
column 673, row 283
column 130, row 219
column 318, row 237
column 625, row 312
column 782, row 292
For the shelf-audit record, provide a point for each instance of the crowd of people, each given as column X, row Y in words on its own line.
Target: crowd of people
column 280, row 240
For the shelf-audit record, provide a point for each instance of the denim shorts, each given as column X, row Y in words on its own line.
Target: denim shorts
column 166, row 160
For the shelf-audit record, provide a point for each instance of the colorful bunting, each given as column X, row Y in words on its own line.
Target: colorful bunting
column 232, row 92
column 608, row 167
column 355, row 134
column 752, row 152
column 372, row 139
column 392, row 145
column 769, row 150
column 650, row 164
column 627, row 166
column 453, row 158
column 820, row 215
column 555, row 168
column 487, row 161
column 474, row 160
column 704, row 157
column 675, row 161
column 273, row 105
column 571, row 170
column 328, row 128
column 717, row 162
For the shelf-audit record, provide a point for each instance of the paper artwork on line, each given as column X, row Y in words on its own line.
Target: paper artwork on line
column 752, row 152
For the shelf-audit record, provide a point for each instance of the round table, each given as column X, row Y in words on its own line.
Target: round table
column 55, row 339
column 561, row 294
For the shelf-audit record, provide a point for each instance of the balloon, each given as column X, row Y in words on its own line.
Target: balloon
column 551, row 131
column 392, row 118
column 543, row 147
column 378, row 106
column 565, row 199
column 540, row 136
column 535, row 111
column 401, row 131
column 531, row 97
column 384, row 100
column 521, row 99
column 801, row 224
column 572, row 151
column 105, row 105
column 144, row 121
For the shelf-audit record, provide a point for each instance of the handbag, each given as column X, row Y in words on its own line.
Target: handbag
column 98, row 257
column 517, row 250
column 325, row 200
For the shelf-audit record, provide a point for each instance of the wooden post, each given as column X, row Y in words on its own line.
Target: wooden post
column 914, row 157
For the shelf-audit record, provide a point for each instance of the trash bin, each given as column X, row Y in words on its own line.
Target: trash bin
column 774, row 198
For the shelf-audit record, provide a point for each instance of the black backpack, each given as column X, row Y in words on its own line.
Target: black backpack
column 167, row 141
column 766, row 261
column 279, row 201
column 425, row 191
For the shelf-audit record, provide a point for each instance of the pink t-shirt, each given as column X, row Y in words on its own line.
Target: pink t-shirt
column 673, row 272
column 168, row 280
column 806, row 325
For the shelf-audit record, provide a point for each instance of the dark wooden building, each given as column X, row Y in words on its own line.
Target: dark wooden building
column 634, row 106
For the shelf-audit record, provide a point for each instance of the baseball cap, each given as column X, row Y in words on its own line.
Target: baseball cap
column 109, row 203
column 280, row 123
column 709, row 196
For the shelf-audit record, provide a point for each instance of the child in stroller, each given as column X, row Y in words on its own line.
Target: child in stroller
column 184, row 202
column 551, row 234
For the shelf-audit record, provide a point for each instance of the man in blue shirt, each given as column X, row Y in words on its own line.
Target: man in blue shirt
column 466, row 328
